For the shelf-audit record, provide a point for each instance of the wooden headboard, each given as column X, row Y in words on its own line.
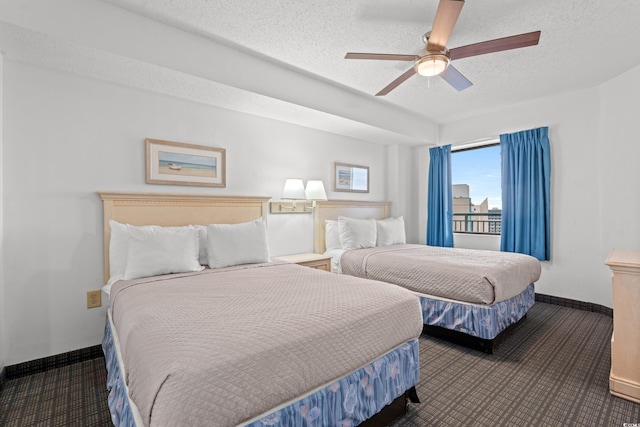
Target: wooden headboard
column 176, row 210
column 332, row 209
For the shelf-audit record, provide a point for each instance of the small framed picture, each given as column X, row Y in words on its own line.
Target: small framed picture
column 177, row 163
column 351, row 178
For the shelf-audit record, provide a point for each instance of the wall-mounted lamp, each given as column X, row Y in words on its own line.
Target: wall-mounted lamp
column 295, row 191
column 315, row 191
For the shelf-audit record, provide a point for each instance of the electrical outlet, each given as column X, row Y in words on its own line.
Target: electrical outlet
column 94, row 299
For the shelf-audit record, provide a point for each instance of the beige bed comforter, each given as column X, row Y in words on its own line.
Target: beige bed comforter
column 474, row 276
column 220, row 347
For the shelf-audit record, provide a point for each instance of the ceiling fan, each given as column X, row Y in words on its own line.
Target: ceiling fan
column 435, row 59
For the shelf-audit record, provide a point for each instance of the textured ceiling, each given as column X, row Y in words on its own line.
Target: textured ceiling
column 284, row 59
column 583, row 44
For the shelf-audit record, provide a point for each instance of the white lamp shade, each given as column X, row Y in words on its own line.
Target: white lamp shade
column 293, row 189
column 315, row 190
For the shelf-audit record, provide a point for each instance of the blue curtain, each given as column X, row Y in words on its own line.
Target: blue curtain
column 526, row 173
column 440, row 201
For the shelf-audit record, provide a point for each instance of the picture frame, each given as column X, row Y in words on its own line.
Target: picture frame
column 350, row 178
column 177, row 163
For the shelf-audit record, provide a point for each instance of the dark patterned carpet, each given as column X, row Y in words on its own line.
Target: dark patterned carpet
column 553, row 370
column 74, row 395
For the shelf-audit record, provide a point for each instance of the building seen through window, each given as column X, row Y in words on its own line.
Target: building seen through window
column 477, row 194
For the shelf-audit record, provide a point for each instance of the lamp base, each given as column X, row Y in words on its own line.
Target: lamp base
column 290, row 207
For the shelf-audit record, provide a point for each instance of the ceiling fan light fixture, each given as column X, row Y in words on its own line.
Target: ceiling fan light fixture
column 431, row 64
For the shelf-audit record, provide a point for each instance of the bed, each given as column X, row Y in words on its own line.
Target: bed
column 472, row 297
column 261, row 343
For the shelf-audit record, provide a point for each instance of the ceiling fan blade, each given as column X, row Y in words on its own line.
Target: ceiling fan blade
column 397, row 82
column 446, row 17
column 455, row 78
column 497, row 45
column 380, row 56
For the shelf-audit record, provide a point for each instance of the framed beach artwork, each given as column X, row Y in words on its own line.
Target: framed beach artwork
column 177, row 163
column 351, row 178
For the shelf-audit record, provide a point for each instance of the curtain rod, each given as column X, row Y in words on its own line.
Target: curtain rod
column 476, row 143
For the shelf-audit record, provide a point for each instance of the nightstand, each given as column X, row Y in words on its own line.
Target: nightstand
column 319, row 261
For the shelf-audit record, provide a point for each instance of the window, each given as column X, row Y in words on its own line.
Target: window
column 477, row 193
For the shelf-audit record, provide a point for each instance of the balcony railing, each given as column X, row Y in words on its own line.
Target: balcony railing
column 477, row 223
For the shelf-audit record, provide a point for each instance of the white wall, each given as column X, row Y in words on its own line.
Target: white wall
column 98, row 39
column 619, row 158
column 66, row 137
column 594, row 179
column 403, row 182
column 421, row 190
column 3, row 345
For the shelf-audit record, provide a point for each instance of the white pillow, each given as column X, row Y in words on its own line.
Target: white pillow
column 234, row 244
column 331, row 235
column 203, row 258
column 118, row 249
column 390, row 231
column 357, row 233
column 157, row 250
column 119, row 246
